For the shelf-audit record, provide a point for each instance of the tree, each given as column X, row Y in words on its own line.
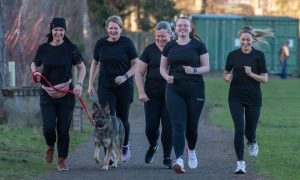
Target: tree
column 155, row 10
column 288, row 8
column 3, row 62
column 148, row 11
column 100, row 10
column 203, row 7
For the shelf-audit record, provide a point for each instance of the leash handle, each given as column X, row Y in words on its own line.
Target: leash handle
column 64, row 91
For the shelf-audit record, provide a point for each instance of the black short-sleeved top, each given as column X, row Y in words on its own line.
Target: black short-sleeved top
column 155, row 84
column 184, row 55
column 115, row 60
column 57, row 61
column 243, row 88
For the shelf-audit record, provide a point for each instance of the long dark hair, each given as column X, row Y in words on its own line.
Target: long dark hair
column 193, row 33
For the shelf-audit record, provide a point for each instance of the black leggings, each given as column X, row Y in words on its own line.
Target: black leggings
column 251, row 119
column 57, row 116
column 185, row 100
column 119, row 99
column 156, row 112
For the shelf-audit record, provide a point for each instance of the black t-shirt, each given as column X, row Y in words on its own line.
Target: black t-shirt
column 184, row 55
column 57, row 61
column 115, row 60
column 243, row 88
column 155, row 84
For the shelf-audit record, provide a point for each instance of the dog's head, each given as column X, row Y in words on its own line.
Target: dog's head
column 101, row 116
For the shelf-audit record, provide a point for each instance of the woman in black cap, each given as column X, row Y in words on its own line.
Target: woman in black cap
column 115, row 56
column 58, row 56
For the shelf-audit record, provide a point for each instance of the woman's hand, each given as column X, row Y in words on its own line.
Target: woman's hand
column 248, row 70
column 91, row 90
column 188, row 69
column 56, row 94
column 77, row 90
column 170, row 79
column 228, row 77
column 36, row 76
column 120, row 79
column 143, row 97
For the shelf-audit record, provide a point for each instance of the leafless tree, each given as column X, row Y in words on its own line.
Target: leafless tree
column 3, row 62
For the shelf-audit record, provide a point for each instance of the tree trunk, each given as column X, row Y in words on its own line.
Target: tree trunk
column 3, row 63
column 203, row 8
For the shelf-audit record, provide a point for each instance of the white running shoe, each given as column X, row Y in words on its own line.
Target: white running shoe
column 240, row 167
column 178, row 166
column 192, row 162
column 253, row 149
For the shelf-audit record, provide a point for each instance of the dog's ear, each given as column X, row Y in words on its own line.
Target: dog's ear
column 107, row 109
column 95, row 107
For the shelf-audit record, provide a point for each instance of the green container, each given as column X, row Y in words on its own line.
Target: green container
column 220, row 34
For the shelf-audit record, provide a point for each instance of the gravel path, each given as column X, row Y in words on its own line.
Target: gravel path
column 215, row 154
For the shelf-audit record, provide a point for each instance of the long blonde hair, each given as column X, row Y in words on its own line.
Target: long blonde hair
column 259, row 35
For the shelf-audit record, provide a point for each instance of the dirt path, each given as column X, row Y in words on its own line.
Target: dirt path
column 215, row 156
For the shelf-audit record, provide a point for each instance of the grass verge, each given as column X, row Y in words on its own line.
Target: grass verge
column 278, row 128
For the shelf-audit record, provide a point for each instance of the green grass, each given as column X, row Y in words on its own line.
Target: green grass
column 22, row 151
column 278, row 129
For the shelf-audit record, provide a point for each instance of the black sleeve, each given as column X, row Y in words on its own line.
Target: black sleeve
column 145, row 55
column 228, row 66
column 76, row 56
column 96, row 51
column 132, row 54
column 165, row 50
column 201, row 49
column 38, row 57
column 262, row 64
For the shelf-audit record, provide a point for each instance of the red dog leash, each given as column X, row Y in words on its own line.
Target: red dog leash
column 64, row 91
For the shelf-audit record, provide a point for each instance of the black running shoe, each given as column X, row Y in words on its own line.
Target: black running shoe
column 167, row 163
column 150, row 154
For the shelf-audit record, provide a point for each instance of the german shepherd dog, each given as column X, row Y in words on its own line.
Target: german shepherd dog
column 109, row 132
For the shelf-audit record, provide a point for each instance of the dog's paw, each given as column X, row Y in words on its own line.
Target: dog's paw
column 97, row 160
column 114, row 165
column 104, row 168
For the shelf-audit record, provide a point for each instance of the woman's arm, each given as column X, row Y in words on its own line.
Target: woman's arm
column 93, row 73
column 131, row 71
column 163, row 68
column 35, row 74
column 128, row 74
column 205, row 67
column 80, row 78
column 204, row 61
column 140, row 71
column 227, row 76
column 81, row 72
column 262, row 78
